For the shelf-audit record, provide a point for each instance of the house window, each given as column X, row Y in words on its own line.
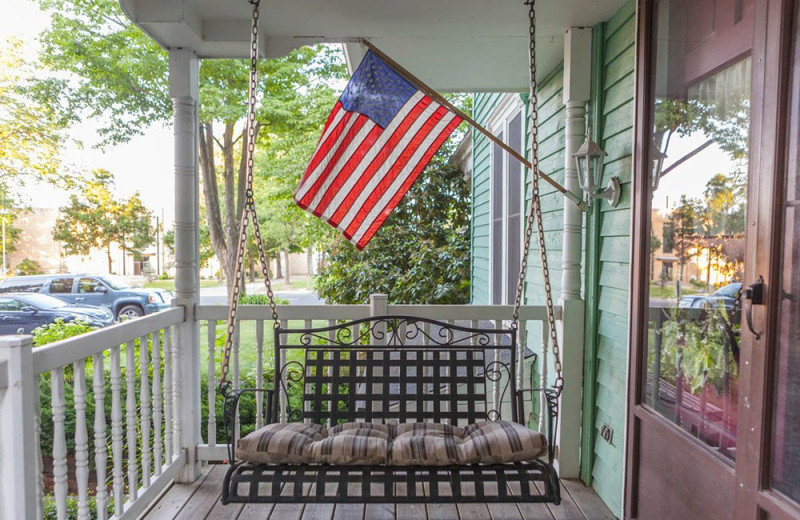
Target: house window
column 507, row 202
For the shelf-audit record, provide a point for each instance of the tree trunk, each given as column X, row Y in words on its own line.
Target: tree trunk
column 251, row 267
column 286, row 258
column 108, row 255
column 278, row 270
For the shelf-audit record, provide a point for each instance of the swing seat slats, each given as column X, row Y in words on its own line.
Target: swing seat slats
column 393, row 409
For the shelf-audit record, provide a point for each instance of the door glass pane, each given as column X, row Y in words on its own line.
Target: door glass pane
column 785, row 442
column 699, row 192
column 514, row 197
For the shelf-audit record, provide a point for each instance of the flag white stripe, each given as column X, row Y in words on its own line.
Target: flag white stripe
column 380, row 173
column 402, row 177
column 356, row 174
column 312, row 178
column 355, row 143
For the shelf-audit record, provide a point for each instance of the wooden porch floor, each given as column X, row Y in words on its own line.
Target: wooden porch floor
column 200, row 500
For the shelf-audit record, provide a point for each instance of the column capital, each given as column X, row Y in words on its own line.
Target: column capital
column 184, row 67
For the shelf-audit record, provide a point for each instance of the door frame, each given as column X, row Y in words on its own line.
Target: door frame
column 746, row 480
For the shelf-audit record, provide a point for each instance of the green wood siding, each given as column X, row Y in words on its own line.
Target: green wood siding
column 483, row 104
column 608, row 254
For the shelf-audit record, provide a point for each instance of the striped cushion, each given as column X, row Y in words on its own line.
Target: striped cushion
column 500, row 441
column 288, row 443
column 426, row 444
column 353, row 443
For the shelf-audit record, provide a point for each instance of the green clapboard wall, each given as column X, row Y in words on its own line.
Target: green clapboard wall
column 607, row 239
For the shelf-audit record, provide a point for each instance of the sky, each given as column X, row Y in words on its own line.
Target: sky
column 143, row 164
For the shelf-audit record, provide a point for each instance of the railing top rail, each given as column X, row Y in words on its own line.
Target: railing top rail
column 65, row 352
column 356, row 312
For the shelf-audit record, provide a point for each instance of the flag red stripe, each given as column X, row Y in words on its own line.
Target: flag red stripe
column 379, row 161
column 319, row 154
column 341, row 147
column 395, row 169
column 378, row 222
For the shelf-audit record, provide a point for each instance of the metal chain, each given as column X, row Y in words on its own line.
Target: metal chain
column 535, row 211
column 248, row 212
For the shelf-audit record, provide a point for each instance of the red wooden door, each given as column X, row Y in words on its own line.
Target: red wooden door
column 713, row 389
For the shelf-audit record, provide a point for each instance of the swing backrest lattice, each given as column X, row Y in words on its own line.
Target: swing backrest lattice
column 397, row 368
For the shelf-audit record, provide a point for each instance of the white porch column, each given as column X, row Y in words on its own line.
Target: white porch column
column 184, row 90
column 577, row 90
column 18, row 475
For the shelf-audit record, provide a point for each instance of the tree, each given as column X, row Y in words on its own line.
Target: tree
column 680, row 230
column 31, row 133
column 420, row 254
column 122, row 81
column 95, row 220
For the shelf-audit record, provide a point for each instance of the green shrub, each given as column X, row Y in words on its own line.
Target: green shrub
column 50, row 513
column 260, row 299
column 29, row 267
column 59, row 330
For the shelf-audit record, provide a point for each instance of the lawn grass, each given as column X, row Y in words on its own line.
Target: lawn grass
column 248, row 354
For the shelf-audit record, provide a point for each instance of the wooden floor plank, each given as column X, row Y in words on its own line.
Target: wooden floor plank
column 441, row 511
column 200, row 500
column 256, row 512
column 206, row 496
column 472, row 511
column 567, row 510
column 349, row 511
column 171, row 503
column 530, row 510
column 415, row 511
column 586, row 499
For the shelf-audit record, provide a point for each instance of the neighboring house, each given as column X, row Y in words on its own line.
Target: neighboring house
column 35, row 241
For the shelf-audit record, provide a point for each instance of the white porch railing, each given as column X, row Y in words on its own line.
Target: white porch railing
column 122, row 381
column 127, row 418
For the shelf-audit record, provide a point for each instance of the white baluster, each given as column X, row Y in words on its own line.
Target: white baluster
column 158, row 460
column 236, row 382
column 212, row 383
column 259, row 373
column 37, row 432
column 116, row 429
column 522, row 338
column 100, row 455
column 168, row 426
column 144, row 400
column 280, row 385
column 130, row 411
column 177, row 395
column 81, row 438
column 59, row 443
column 498, row 325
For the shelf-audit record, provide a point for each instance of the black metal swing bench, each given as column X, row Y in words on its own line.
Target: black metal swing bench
column 393, row 409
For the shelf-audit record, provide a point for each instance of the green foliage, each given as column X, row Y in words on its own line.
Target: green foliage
column 421, row 253
column 260, row 299
column 29, row 267
column 30, row 133
column 698, row 349
column 206, row 249
column 59, row 330
column 95, row 219
column 50, row 512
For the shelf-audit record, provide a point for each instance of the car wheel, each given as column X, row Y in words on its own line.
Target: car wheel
column 129, row 312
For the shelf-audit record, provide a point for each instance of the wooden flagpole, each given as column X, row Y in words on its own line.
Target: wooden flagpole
column 442, row 101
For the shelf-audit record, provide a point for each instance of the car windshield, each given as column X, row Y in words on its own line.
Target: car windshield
column 115, row 282
column 729, row 290
column 43, row 301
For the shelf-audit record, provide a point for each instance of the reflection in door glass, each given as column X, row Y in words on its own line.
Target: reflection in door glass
column 699, row 189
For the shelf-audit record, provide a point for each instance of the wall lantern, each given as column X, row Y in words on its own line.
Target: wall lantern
column 589, row 161
column 657, row 156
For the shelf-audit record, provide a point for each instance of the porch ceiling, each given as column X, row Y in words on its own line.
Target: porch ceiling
column 454, row 45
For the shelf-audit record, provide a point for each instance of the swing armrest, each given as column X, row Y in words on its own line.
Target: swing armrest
column 230, row 407
column 551, row 423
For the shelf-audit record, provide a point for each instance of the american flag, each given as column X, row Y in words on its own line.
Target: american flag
column 381, row 134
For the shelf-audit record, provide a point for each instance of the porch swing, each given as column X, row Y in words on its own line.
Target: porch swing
column 392, row 408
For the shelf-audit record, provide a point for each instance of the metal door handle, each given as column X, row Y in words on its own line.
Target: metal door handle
column 755, row 295
column 79, row 299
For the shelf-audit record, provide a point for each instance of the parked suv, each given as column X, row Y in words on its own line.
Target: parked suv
column 106, row 291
